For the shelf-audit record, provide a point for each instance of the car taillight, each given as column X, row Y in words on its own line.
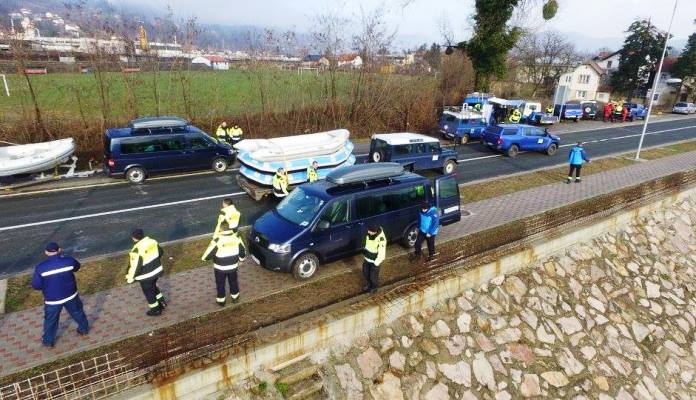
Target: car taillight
column 500, row 140
column 111, row 163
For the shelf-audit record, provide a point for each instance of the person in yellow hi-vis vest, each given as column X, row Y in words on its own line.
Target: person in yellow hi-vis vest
column 145, row 266
column 226, row 250
column 236, row 135
column 229, row 214
column 223, row 133
column 515, row 116
column 312, row 172
column 375, row 252
column 280, row 184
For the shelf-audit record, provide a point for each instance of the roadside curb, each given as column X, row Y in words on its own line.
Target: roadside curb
column 3, row 295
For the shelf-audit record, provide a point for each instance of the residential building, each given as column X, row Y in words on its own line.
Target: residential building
column 609, row 62
column 213, row 61
column 666, row 90
column 349, row 61
column 580, row 84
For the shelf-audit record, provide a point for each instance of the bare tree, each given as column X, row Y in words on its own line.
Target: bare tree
column 329, row 38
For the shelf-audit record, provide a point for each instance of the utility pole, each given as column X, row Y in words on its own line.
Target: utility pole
column 656, row 80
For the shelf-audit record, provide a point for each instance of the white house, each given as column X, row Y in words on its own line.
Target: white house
column 609, row 62
column 666, row 92
column 350, row 61
column 580, row 83
column 214, row 61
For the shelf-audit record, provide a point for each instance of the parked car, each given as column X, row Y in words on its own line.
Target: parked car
column 327, row 220
column 462, row 126
column 513, row 138
column 161, row 144
column 412, row 150
column 684, row 108
column 636, row 111
column 589, row 109
column 568, row 111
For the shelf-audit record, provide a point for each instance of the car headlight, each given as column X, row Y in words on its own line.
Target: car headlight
column 279, row 248
column 446, row 127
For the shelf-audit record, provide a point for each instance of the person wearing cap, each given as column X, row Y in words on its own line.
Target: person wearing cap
column 428, row 228
column 229, row 214
column 226, row 250
column 145, row 267
column 236, row 135
column 576, row 157
column 55, row 277
column 280, row 184
column 375, row 252
column 223, row 133
column 312, row 172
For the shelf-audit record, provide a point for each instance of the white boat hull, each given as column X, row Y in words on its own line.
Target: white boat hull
column 37, row 157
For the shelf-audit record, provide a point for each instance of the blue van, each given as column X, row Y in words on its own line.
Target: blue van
column 462, row 126
column 161, row 144
column 327, row 220
column 568, row 111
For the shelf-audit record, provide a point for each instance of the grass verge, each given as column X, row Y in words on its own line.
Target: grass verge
column 108, row 273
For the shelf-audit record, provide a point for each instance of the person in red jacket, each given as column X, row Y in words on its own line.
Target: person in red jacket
column 607, row 111
column 624, row 113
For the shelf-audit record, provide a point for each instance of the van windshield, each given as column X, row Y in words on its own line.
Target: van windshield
column 299, row 207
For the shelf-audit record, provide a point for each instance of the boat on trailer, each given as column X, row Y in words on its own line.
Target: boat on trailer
column 35, row 157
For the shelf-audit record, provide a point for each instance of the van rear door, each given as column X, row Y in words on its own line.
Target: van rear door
column 447, row 199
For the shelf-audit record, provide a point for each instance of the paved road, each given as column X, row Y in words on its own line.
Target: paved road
column 97, row 220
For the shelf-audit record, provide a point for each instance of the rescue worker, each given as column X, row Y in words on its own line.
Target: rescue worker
column 428, row 228
column 515, row 116
column 477, row 107
column 375, row 252
column 607, row 111
column 229, row 214
column 226, row 250
column 280, row 184
column 576, row 157
column 55, row 277
column 312, row 172
column 549, row 110
column 617, row 109
column 624, row 113
column 146, row 267
column 236, row 135
column 223, row 133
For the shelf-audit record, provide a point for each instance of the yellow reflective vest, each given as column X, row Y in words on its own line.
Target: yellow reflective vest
column 226, row 251
column 515, row 116
column 311, row 174
column 236, row 133
column 229, row 214
column 375, row 248
column 280, row 185
column 223, row 133
column 144, row 260
column 549, row 110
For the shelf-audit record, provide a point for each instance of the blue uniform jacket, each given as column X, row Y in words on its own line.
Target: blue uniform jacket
column 429, row 221
column 577, row 156
column 55, row 277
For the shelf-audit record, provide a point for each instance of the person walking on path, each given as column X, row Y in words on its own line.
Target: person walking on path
column 229, row 214
column 55, row 277
column 576, row 157
column 375, row 252
column 145, row 266
column 428, row 228
column 226, row 250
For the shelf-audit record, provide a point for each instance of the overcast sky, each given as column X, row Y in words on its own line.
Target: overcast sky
column 591, row 22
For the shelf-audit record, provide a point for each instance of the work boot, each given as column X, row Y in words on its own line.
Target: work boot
column 221, row 303
column 366, row 288
column 235, row 299
column 569, row 180
column 431, row 258
column 82, row 333
column 162, row 303
column 153, row 312
column 578, row 180
column 373, row 291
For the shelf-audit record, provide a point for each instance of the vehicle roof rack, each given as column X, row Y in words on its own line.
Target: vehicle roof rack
column 147, row 123
column 364, row 173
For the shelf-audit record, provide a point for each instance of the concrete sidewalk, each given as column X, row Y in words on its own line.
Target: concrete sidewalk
column 120, row 313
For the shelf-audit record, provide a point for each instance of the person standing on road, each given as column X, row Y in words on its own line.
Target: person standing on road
column 145, row 266
column 226, row 250
column 607, row 112
column 312, row 172
column 223, row 133
column 576, row 157
column 624, row 113
column 236, row 135
column 280, row 184
column 428, row 228
column 375, row 252
column 229, row 214
column 55, row 277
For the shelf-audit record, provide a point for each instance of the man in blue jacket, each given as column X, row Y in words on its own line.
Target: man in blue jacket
column 428, row 228
column 55, row 277
column 576, row 157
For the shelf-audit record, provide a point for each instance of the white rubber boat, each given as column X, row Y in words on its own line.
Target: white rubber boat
column 36, row 157
column 294, row 147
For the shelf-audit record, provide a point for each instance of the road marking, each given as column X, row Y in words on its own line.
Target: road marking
column 125, row 210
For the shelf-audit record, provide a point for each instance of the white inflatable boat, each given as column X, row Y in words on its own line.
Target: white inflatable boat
column 37, row 157
column 294, row 147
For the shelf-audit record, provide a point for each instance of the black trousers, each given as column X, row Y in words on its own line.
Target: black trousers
column 574, row 168
column 419, row 242
column 151, row 292
column 222, row 277
column 371, row 275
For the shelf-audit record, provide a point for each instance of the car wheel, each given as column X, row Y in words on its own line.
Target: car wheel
column 220, row 164
column 305, row 266
column 513, row 151
column 576, row 119
column 449, row 168
column 135, row 175
column 465, row 139
column 409, row 239
column 377, row 156
column 551, row 150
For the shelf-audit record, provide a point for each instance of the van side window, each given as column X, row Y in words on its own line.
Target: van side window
column 150, row 145
column 433, row 148
column 198, row 142
column 380, row 203
column 336, row 213
column 402, row 150
column 447, row 188
column 368, row 206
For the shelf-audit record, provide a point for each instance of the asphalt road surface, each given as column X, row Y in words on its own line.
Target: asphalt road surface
column 97, row 220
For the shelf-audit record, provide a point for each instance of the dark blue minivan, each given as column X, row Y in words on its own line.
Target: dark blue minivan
column 161, row 144
column 327, row 220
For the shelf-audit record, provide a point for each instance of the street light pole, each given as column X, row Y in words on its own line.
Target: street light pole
column 656, row 80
